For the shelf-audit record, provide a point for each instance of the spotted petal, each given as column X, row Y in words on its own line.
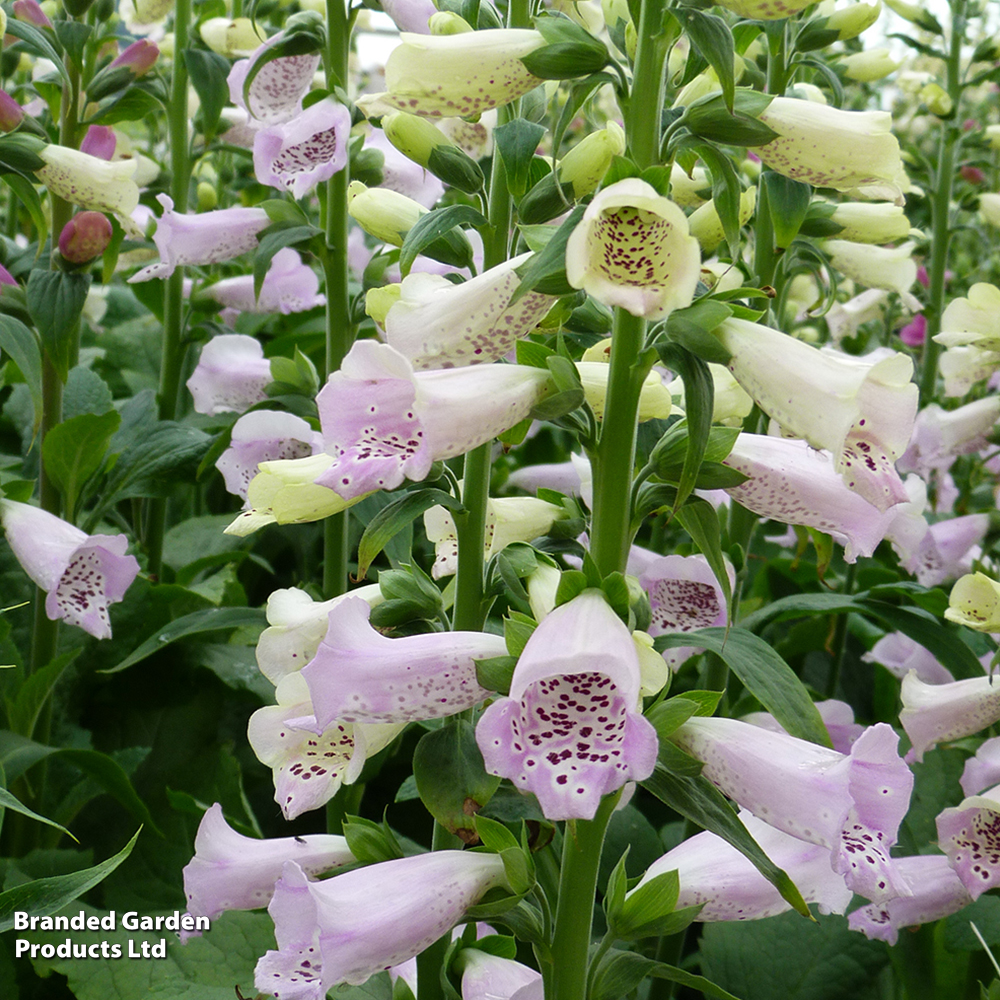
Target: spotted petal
column 290, row 286
column 277, row 90
column 261, row 436
column 938, row 713
column 231, row 375
column 969, row 835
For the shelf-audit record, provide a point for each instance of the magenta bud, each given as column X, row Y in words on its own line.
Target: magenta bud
column 30, row 11
column 99, row 141
column 85, row 237
column 6, row 278
column 11, row 113
column 972, row 174
column 139, row 57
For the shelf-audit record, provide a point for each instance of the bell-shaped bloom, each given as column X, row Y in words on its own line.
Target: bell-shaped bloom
column 308, row 149
column 881, row 222
column 296, row 626
column 860, row 411
column 983, row 770
column 437, row 324
column 900, row 654
column 570, row 731
column 508, row 520
column 948, row 549
column 823, row 146
column 231, row 37
column 937, row 892
column 837, row 716
column 975, row 601
column 277, row 90
column 85, row 237
column 402, row 175
column 410, row 15
column 262, row 436
column 852, row 804
column 844, row 318
column 574, row 478
column 792, row 483
column 205, row 238
column 969, row 834
column 455, row 76
column 384, row 423
column 656, row 401
column 868, row 65
column 360, row 675
column 309, row 767
column 893, row 270
column 970, row 332
column 683, row 596
column 941, row 435
column 290, row 286
column 82, row 574
column 938, row 713
column 233, row 872
column 230, row 376
column 490, row 977
column 706, row 226
column 717, row 877
column 347, row 928
column 633, row 249
column 92, row 183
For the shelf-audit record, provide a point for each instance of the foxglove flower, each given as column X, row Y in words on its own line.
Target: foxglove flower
column 437, row 324
column 231, row 37
column 261, row 436
column 347, row 928
column 937, row 892
column 360, row 675
column 837, row 716
column 892, row 270
column 383, row 423
column 410, row 15
column 206, row 238
column 683, row 596
column 900, row 654
column 792, row 483
column 308, row 149
column 570, row 731
column 656, row 401
column 765, row 10
column 231, row 375
column 81, row 573
column 851, row 804
column 938, row 713
column 970, row 332
column 862, row 412
column 490, row 977
column 852, row 151
column 574, row 478
column 862, row 222
column 99, row 141
column 940, row 435
column 508, row 520
column 975, row 601
column 308, row 767
column 277, row 90
column 455, row 76
column 717, row 877
column 296, row 627
column 948, row 549
column 969, row 834
column 844, row 318
column 983, row 770
column 632, row 249
column 289, row 287
column 233, row 872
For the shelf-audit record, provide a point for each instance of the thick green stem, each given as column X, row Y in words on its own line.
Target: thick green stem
column 581, row 859
column 642, row 121
column 470, row 610
column 839, row 645
column 340, row 332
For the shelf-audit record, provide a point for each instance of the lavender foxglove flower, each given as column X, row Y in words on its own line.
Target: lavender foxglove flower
column 837, row 716
column 205, row 238
column 347, row 928
column 948, row 549
column 277, row 90
column 296, row 627
column 851, row 804
column 490, row 977
column 82, row 573
column 384, row 423
column 570, row 731
column 714, row 875
column 261, row 436
column 574, row 478
column 360, row 675
column 308, row 149
column 437, row 324
column 983, row 770
column 937, row 713
column 969, row 834
column 233, row 872
column 683, row 596
column 937, row 892
column 230, row 376
column 792, row 483
column 455, row 76
column 309, row 767
column 861, row 412
column 410, row 15
column 290, row 286
column 940, row 435
column 900, row 654
column 632, row 249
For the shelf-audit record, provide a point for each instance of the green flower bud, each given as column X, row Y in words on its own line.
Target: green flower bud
column 421, row 141
column 937, row 100
column 446, row 22
column 378, row 301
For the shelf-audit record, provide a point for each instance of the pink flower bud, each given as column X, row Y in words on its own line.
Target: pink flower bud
column 85, row 237
column 138, row 57
column 915, row 332
column 11, row 113
column 970, row 125
column 99, row 141
column 6, row 278
column 972, row 174
column 30, row 11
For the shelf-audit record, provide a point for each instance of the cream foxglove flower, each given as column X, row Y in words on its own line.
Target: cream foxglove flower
column 975, row 601
column 870, row 222
column 893, row 270
column 633, row 249
column 970, row 332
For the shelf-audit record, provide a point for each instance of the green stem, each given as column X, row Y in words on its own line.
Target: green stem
column 172, row 351
column 642, row 123
column 777, row 64
column 840, row 635
column 581, row 859
column 470, row 609
column 913, row 962
column 765, row 254
column 340, row 332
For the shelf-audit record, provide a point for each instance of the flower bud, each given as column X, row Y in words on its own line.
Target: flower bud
column 384, row 214
column 380, row 300
column 937, row 100
column 30, row 12
column 916, row 14
column 972, row 174
column 100, row 141
column 85, row 237
column 208, row 198
column 234, row 37
column 851, row 21
column 3, row 22
column 445, row 22
column 139, row 57
column 11, row 113
column 424, row 143
column 869, row 65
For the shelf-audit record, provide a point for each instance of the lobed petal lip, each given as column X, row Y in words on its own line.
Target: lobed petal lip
column 277, row 90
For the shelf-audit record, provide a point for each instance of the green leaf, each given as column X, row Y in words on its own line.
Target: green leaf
column 495, row 673
column 701, row 521
column 276, row 237
column 620, row 972
column 551, row 262
column 371, row 842
column 9, row 801
column 196, row 623
column 40, row 41
column 788, row 203
column 516, row 142
column 74, row 450
column 451, row 778
column 692, row 328
column 670, row 715
column 726, row 194
column 572, row 51
column 29, row 197
column 21, row 346
column 46, row 895
column 55, row 302
column 24, row 709
column 130, row 105
column 73, row 35
column 437, row 225
column 208, row 72
column 712, row 37
column 517, row 630
column 393, row 518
